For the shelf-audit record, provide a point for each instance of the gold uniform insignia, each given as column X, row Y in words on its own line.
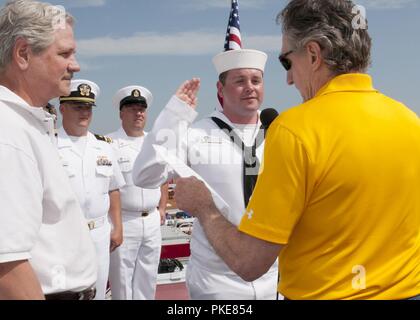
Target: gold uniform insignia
column 136, row 93
column 103, row 138
column 84, row 90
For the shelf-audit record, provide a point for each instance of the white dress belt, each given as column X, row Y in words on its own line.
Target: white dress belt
column 142, row 213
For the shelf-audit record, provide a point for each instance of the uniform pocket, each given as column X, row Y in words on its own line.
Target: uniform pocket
column 104, row 171
column 103, row 174
column 68, row 169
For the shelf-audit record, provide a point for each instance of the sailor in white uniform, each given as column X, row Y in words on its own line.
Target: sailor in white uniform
column 219, row 157
column 134, row 265
column 94, row 174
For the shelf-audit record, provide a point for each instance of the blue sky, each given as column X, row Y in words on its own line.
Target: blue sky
column 159, row 44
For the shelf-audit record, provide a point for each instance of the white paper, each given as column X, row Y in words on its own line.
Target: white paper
column 184, row 171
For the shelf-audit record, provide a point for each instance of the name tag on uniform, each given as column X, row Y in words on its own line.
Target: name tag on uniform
column 211, row 140
column 123, row 160
column 103, row 161
column 64, row 163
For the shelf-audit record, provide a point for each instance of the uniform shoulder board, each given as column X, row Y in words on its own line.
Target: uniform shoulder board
column 103, row 138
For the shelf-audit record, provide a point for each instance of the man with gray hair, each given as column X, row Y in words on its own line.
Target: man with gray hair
column 337, row 200
column 45, row 247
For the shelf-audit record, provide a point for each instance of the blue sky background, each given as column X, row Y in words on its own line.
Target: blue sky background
column 159, row 44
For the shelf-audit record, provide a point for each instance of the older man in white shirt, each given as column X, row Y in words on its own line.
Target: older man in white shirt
column 45, row 247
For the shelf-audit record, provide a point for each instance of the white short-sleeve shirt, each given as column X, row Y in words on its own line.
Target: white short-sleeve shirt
column 40, row 218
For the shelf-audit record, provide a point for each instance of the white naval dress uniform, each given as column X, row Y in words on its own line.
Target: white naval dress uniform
column 40, row 217
column 134, row 265
column 92, row 175
column 209, row 152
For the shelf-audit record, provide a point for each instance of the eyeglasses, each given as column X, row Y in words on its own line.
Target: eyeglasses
column 285, row 62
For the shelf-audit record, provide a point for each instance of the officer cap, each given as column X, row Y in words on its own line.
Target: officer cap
column 83, row 91
column 132, row 94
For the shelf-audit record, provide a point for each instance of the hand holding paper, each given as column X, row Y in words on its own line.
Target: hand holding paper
column 184, row 171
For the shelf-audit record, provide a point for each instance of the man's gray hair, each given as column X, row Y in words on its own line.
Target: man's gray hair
column 330, row 23
column 32, row 20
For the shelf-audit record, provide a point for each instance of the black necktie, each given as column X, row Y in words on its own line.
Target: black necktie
column 251, row 165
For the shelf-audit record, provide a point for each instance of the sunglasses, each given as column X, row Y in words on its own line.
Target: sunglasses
column 285, row 62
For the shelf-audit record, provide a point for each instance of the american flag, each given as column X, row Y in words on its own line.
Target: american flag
column 233, row 34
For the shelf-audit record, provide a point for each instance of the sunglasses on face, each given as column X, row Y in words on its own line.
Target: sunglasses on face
column 285, row 62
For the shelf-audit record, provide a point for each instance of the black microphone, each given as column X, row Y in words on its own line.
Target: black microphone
column 267, row 116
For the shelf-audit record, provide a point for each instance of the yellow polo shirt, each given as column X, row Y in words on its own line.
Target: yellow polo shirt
column 340, row 188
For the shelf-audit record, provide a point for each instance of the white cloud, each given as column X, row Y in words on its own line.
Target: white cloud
column 84, row 66
column 185, row 43
column 84, row 3
column 208, row 4
column 387, row 4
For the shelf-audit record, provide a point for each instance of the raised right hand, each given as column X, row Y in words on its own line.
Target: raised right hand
column 188, row 91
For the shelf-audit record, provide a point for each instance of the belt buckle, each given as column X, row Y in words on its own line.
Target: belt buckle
column 91, row 225
column 144, row 213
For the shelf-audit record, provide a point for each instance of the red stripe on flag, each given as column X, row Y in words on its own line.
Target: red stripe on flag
column 235, row 38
